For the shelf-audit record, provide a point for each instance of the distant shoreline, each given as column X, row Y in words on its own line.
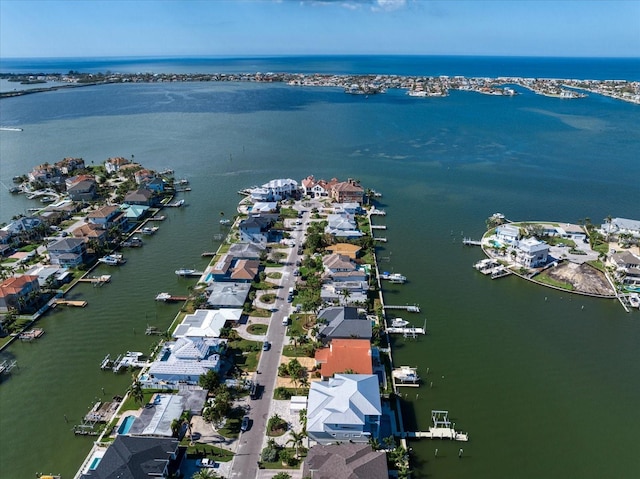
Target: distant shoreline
column 419, row 86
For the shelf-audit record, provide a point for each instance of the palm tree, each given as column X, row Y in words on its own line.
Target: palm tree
column 297, row 441
column 204, row 474
column 136, row 390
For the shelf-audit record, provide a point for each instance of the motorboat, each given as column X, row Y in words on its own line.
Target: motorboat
column 394, row 277
column 163, row 297
column 225, row 221
column 399, row 323
column 406, row 374
column 206, row 462
column 112, row 259
column 634, row 300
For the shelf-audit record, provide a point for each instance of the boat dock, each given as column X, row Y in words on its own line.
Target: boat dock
column 492, row 267
column 208, row 254
column 129, row 360
column 157, row 218
column 67, row 302
column 441, row 429
column 406, row 332
column 31, row 334
column 170, row 298
column 470, row 242
column 411, row 308
column 7, row 366
column 152, row 330
column 377, row 212
column 380, row 239
column 406, row 376
column 189, row 272
column 378, row 227
column 96, row 280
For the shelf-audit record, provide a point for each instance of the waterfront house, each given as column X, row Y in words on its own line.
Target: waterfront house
column 18, row 292
column 108, row 217
column 627, row 267
column 255, row 229
column 246, row 250
column 315, row 188
column 142, row 196
column 347, row 192
column 344, row 293
column 81, row 187
column 621, row 225
column 345, row 249
column 227, row 295
column 50, row 276
column 345, row 355
column 134, row 213
column 221, row 269
column 347, row 461
column 113, row 165
column 508, row 233
column 206, row 323
column 348, row 208
column 156, row 421
column 131, row 457
column 67, row 252
column 183, row 361
column 143, row 176
column 345, row 408
column 275, row 190
column 91, row 232
column 155, row 184
column 245, row 270
column 46, row 174
column 24, row 229
column 342, row 322
column 531, row 253
column 68, row 166
column 340, row 268
column 342, row 226
column 264, row 207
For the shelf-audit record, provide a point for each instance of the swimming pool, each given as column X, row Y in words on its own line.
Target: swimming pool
column 208, row 278
column 126, row 425
column 94, row 463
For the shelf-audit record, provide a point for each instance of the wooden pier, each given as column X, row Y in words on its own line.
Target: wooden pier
column 441, row 429
column 7, row 366
column 470, row 242
column 31, row 334
column 208, row 254
column 96, row 280
column 378, row 227
column 67, row 302
column 411, row 308
column 382, row 240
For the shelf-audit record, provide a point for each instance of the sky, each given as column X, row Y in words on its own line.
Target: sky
column 228, row 28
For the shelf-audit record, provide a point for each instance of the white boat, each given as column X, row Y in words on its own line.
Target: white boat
column 149, row 230
column 406, row 374
column 112, row 259
column 225, row 221
column 188, row 272
column 163, row 297
column 399, row 323
column 394, row 277
column 634, row 300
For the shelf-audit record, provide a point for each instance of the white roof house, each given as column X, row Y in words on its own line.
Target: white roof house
column 342, row 225
column 622, row 225
column 508, row 233
column 346, row 408
column 531, row 252
column 275, row 190
column 206, row 323
column 184, row 361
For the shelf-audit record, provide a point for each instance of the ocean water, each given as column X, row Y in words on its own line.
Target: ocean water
column 544, row 382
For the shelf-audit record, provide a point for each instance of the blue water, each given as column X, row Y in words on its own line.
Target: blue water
column 126, row 424
column 528, row 378
column 477, row 66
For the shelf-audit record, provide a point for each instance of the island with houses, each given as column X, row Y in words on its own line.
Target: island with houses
column 600, row 261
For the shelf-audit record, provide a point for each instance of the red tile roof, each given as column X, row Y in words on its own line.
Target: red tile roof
column 343, row 355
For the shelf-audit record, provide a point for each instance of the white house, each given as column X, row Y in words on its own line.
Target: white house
column 184, row 361
column 531, row 253
column 622, row 225
column 206, row 323
column 342, row 226
column 346, row 408
column 508, row 233
column 275, row 190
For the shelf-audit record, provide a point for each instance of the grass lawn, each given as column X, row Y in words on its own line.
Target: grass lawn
column 543, row 278
column 597, row 264
column 206, row 450
column 277, row 464
column 257, row 329
column 244, row 353
column 258, row 312
column 131, row 404
column 274, row 275
column 304, row 350
column 284, row 394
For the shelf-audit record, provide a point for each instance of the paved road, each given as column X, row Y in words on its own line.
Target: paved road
column 245, row 462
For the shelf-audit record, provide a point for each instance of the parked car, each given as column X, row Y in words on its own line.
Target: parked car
column 266, row 346
column 244, row 426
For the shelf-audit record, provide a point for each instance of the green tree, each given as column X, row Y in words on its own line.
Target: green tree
column 297, row 441
column 204, row 474
column 136, row 390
